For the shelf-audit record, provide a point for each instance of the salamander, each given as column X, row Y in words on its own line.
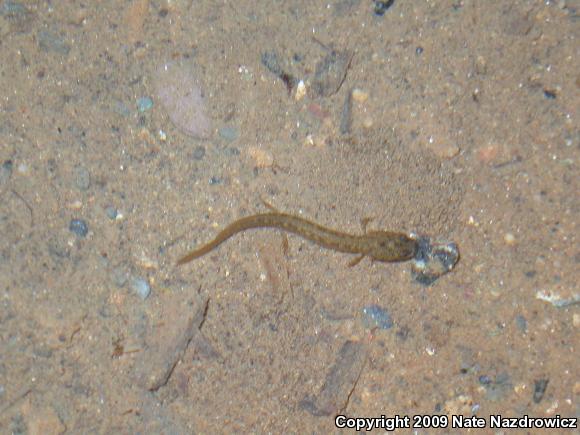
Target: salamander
column 385, row 246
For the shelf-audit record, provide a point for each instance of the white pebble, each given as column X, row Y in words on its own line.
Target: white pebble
column 141, row 288
column 300, row 90
column 509, row 239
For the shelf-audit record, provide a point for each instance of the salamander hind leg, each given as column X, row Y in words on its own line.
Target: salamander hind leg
column 356, row 260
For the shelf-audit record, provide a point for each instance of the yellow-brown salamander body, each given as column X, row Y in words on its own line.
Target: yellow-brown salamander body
column 379, row 245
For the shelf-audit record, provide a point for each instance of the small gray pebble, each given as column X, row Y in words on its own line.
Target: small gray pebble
column 141, row 288
column 540, row 386
column 485, row 380
column 199, row 152
column 229, row 133
column 376, row 317
column 106, row 311
column 144, row 104
column 79, row 227
column 58, row 249
column 82, row 178
column 12, row 8
column 17, row 425
column 521, row 323
column 502, row 378
column 42, row 351
column 5, row 172
column 232, row 151
column 111, row 212
column 121, row 108
column 120, row 276
column 52, row 42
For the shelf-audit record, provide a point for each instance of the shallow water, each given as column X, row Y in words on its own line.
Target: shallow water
column 462, row 126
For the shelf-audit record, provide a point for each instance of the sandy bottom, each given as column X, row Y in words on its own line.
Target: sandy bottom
column 455, row 120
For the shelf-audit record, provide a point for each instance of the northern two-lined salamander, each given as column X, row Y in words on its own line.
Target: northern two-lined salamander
column 382, row 246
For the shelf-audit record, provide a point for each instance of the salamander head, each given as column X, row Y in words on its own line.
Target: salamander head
column 390, row 247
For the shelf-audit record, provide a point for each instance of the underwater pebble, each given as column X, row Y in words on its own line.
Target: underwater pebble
column 120, row 276
column 146, row 135
column 180, row 93
column 485, row 380
column 214, row 180
column 111, row 212
column 198, row 153
column 23, row 169
column 147, row 262
column 75, row 205
column 443, row 149
column 229, row 133
column 359, row 95
column 10, row 8
column 58, row 249
column 272, row 63
column 42, row 351
column 300, row 90
column 79, row 227
column 375, row 316
column 120, row 108
column 49, row 41
column 141, row 287
column 498, row 388
column 460, row 404
column 5, row 171
column 82, row 178
column 16, row 18
column 540, row 386
column 232, row 151
column 381, row 6
column 521, row 323
column 262, row 158
column 368, row 122
column 509, row 239
column 433, row 260
column 144, row 104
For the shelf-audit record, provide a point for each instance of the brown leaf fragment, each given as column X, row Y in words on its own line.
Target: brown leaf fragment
column 330, row 73
column 340, row 381
column 161, row 359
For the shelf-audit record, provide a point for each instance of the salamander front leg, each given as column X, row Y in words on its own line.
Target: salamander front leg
column 268, row 205
column 364, row 222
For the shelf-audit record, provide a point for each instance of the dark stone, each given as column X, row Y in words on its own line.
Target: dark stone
column 539, row 389
column 381, row 6
column 79, row 227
